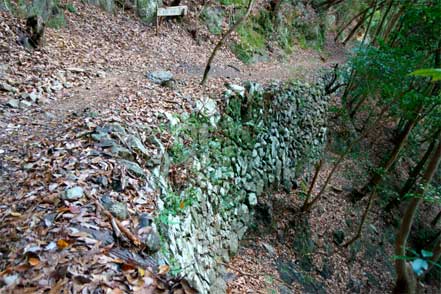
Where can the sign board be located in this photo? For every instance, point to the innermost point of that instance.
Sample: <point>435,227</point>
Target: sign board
<point>172,11</point>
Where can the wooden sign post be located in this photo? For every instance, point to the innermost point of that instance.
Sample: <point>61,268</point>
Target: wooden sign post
<point>169,11</point>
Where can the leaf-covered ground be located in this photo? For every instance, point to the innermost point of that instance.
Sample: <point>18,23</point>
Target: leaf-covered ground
<point>91,73</point>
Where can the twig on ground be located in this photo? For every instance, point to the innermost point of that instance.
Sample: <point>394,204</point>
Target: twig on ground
<point>120,226</point>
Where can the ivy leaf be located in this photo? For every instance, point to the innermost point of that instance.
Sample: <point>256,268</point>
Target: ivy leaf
<point>419,266</point>
<point>426,253</point>
<point>434,73</point>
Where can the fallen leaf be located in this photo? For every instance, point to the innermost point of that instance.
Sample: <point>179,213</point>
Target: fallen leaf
<point>16,214</point>
<point>127,267</point>
<point>62,244</point>
<point>71,208</point>
<point>63,209</point>
<point>74,209</point>
<point>163,269</point>
<point>34,261</point>
<point>182,204</point>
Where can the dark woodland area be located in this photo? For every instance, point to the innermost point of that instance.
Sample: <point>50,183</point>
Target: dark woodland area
<point>225,146</point>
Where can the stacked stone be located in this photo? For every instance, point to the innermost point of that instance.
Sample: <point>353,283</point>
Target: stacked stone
<point>260,143</point>
<point>288,127</point>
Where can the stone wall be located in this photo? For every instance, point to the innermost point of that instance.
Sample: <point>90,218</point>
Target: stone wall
<point>223,163</point>
<point>106,5</point>
<point>5,5</point>
<point>146,9</point>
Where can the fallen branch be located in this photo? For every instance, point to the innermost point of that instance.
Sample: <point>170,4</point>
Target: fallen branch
<point>120,226</point>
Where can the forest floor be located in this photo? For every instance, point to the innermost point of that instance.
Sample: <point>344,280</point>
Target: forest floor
<point>94,71</point>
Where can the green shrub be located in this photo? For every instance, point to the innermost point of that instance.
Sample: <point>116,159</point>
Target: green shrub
<point>234,2</point>
<point>71,8</point>
<point>213,18</point>
<point>285,40</point>
<point>6,5</point>
<point>57,22</point>
<point>251,43</point>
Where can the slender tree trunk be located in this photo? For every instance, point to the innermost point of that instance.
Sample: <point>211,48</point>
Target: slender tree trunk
<point>404,283</point>
<point>356,27</point>
<point>363,219</point>
<point>327,4</point>
<point>392,23</point>
<point>374,8</point>
<point>309,205</point>
<point>413,176</point>
<point>396,34</point>
<point>357,106</point>
<point>377,177</point>
<point>343,28</point>
<point>433,241</point>
<point>344,98</point>
<point>436,219</point>
<point>314,180</point>
<point>383,19</point>
<point>358,15</point>
<point>222,40</point>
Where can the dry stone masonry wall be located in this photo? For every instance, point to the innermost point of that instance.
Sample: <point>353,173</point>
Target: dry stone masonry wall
<point>222,158</point>
<point>221,164</point>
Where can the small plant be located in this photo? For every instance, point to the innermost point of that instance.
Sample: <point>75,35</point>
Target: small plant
<point>233,2</point>
<point>57,22</point>
<point>285,40</point>
<point>213,18</point>
<point>251,43</point>
<point>71,8</point>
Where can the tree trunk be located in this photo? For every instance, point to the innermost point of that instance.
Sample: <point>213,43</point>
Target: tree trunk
<point>383,19</point>
<point>363,219</point>
<point>314,180</point>
<point>404,283</point>
<point>377,177</point>
<point>392,23</point>
<point>344,98</point>
<point>436,219</point>
<point>309,205</point>
<point>360,14</point>
<point>222,40</point>
<point>356,27</point>
<point>357,106</point>
<point>416,171</point>
<point>343,28</point>
<point>413,176</point>
<point>327,4</point>
<point>374,8</point>
<point>436,255</point>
